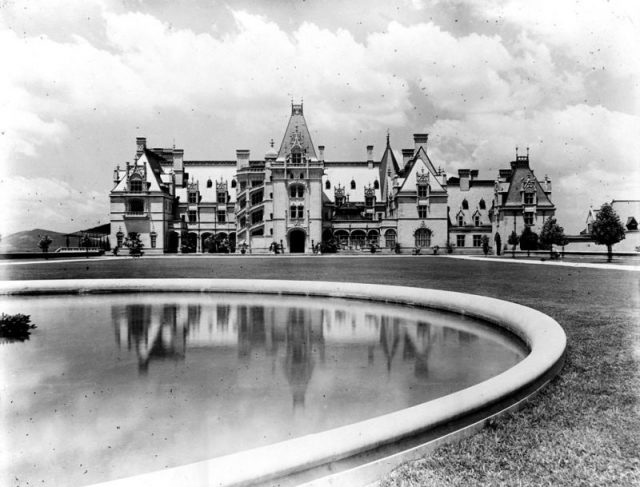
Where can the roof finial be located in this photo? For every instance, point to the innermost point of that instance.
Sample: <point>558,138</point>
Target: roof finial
<point>527,152</point>
<point>271,143</point>
<point>387,137</point>
<point>516,151</point>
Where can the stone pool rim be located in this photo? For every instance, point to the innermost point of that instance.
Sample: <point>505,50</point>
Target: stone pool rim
<point>543,336</point>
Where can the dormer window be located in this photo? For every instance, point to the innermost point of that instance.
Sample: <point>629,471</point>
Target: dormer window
<point>135,185</point>
<point>465,204</point>
<point>376,184</point>
<point>369,201</point>
<point>233,183</point>
<point>327,185</point>
<point>222,197</point>
<point>482,205</point>
<point>193,197</point>
<point>353,184</point>
<point>460,220</point>
<point>296,156</point>
<point>209,183</point>
<point>529,198</point>
<point>423,191</point>
<point>476,220</point>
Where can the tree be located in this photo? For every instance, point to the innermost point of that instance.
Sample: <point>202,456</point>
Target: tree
<point>513,240</point>
<point>485,244</point>
<point>134,244</point>
<point>607,229</point>
<point>44,243</point>
<point>528,240</point>
<point>552,234</point>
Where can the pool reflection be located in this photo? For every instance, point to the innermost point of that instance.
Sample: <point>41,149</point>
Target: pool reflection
<point>166,332</point>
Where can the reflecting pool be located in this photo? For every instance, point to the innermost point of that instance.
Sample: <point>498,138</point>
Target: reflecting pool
<point>116,385</point>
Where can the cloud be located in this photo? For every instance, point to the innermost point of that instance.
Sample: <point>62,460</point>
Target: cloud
<point>50,204</point>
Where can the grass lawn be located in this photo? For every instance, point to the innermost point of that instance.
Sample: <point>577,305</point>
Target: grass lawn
<point>583,429</point>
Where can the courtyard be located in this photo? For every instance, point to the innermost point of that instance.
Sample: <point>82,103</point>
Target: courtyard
<point>581,429</point>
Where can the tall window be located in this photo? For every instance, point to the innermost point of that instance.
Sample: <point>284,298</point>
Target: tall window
<point>529,198</point>
<point>460,220</point>
<point>222,216</point>
<point>296,191</point>
<point>243,222</point>
<point>528,218</point>
<point>256,217</point>
<point>423,237</point>
<point>193,197</point>
<point>460,240</point>
<point>476,220</point>
<point>256,198</point>
<point>135,186</point>
<point>477,240</point>
<point>136,206</point>
<point>422,191</point>
<point>390,239</point>
<point>193,216</point>
<point>154,238</point>
<point>422,211</point>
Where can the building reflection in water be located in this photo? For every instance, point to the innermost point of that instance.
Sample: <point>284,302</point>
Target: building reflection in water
<point>292,336</point>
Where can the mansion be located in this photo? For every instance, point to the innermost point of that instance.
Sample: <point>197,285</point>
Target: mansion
<point>294,200</point>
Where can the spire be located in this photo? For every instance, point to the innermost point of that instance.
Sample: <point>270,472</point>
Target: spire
<point>297,133</point>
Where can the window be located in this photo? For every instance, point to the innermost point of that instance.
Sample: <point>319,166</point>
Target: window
<point>353,184</point>
<point>376,184</point>
<point>390,239</point>
<point>256,198</point>
<point>243,185</point>
<point>233,183</point>
<point>193,216</point>
<point>465,204</point>
<point>193,197</point>
<point>209,183</point>
<point>222,216</point>
<point>528,218</point>
<point>243,222</point>
<point>136,206</point>
<point>422,191</point>
<point>242,203</point>
<point>297,211</point>
<point>296,158</point>
<point>256,217</point>
<point>529,198</point>
<point>290,175</point>
<point>119,237</point>
<point>327,185</point>
<point>476,220</point>
<point>460,221</point>
<point>222,197</point>
<point>369,201</point>
<point>482,205</point>
<point>154,238</point>
<point>423,237</point>
<point>477,240</point>
<point>422,211</point>
<point>296,191</point>
<point>255,183</point>
<point>135,186</point>
<point>460,240</point>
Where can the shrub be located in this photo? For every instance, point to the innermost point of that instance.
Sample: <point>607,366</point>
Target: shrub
<point>17,326</point>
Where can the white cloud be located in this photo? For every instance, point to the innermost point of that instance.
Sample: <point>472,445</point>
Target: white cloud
<point>50,204</point>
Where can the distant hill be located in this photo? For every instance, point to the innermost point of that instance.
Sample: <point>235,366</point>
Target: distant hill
<point>27,241</point>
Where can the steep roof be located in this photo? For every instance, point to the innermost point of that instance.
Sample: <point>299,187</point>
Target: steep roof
<point>522,174</point>
<point>297,133</point>
<point>387,162</point>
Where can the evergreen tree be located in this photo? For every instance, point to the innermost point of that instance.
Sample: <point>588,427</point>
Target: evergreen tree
<point>44,243</point>
<point>528,240</point>
<point>607,228</point>
<point>485,244</point>
<point>513,240</point>
<point>552,234</point>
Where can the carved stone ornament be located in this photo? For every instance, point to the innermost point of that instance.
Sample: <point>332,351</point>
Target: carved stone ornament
<point>369,191</point>
<point>140,170</point>
<point>528,185</point>
<point>221,185</point>
<point>339,191</point>
<point>422,177</point>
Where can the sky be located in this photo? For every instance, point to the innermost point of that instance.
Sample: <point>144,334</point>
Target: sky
<point>83,78</point>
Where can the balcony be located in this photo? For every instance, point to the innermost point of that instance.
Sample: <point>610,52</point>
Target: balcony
<point>136,214</point>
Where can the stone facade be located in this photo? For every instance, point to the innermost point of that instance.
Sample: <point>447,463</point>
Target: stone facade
<point>292,199</point>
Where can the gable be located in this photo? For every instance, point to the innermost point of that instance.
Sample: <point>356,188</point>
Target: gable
<point>418,168</point>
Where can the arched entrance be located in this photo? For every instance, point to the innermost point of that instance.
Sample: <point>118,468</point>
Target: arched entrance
<point>297,239</point>
<point>172,244</point>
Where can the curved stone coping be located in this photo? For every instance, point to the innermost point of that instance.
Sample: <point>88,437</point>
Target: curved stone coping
<point>543,335</point>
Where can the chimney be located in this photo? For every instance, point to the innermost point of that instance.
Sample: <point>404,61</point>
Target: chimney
<point>463,174</point>
<point>420,140</point>
<point>547,184</point>
<point>406,155</point>
<point>178,167</point>
<point>321,153</point>
<point>504,174</point>
<point>370,156</point>
<point>242,157</point>
<point>141,145</point>
<point>116,174</point>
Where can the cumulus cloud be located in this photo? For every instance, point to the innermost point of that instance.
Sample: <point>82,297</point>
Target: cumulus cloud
<point>530,74</point>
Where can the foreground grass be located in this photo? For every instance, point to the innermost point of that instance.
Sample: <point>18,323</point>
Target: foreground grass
<point>582,429</point>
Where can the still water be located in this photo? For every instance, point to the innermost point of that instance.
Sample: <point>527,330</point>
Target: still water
<point>112,386</point>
